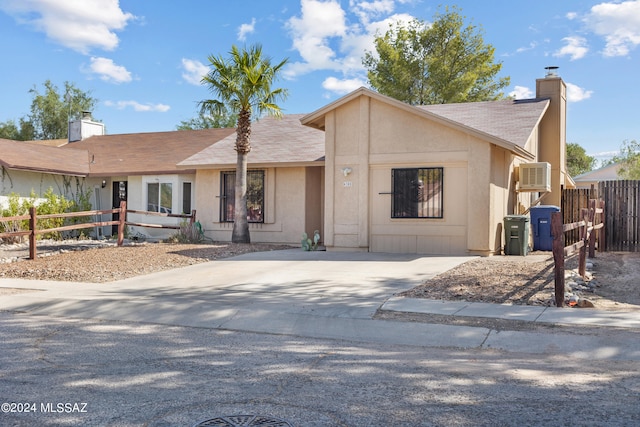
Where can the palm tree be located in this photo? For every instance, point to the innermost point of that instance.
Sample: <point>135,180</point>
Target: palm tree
<point>242,84</point>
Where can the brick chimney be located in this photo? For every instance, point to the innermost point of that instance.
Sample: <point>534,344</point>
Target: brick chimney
<point>553,132</point>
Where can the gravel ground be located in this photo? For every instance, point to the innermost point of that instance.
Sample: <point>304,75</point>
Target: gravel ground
<point>105,262</point>
<point>530,281</point>
<point>499,279</point>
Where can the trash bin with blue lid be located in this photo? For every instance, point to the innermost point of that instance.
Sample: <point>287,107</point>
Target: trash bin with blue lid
<point>541,226</point>
<point>516,235</point>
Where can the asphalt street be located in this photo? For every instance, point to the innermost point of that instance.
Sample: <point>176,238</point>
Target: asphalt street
<point>290,339</point>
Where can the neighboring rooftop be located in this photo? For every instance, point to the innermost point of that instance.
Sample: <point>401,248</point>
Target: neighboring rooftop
<point>30,156</point>
<point>145,153</point>
<point>303,145</point>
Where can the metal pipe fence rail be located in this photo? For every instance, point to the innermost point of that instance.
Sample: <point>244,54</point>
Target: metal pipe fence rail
<point>33,231</point>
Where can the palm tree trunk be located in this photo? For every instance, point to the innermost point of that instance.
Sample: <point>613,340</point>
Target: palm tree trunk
<point>240,232</point>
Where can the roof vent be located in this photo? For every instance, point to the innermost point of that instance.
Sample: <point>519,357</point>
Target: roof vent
<point>552,71</point>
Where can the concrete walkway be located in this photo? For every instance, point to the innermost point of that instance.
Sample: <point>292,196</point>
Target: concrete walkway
<point>321,295</point>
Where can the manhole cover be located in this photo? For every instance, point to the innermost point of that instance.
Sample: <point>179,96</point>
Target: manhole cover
<point>244,421</point>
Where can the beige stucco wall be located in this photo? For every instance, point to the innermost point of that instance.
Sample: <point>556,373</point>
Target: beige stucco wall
<point>295,207</point>
<point>371,138</point>
<point>24,182</point>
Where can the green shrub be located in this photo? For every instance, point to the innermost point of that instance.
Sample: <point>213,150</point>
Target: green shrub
<point>188,233</point>
<point>49,203</point>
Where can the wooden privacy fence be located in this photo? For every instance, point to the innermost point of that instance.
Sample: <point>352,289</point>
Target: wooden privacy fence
<point>34,231</point>
<point>622,199</point>
<point>573,201</point>
<point>590,225</point>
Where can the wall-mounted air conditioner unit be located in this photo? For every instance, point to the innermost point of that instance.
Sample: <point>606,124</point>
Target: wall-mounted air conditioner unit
<point>535,177</point>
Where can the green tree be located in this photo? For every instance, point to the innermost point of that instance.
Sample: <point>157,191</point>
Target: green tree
<point>440,63</point>
<point>18,132</point>
<point>209,121</point>
<point>578,162</point>
<point>629,159</point>
<point>52,110</point>
<point>242,84</point>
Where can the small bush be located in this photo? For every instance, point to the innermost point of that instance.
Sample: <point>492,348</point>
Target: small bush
<point>188,233</point>
<point>49,203</point>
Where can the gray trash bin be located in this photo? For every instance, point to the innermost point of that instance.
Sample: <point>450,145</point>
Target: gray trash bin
<point>516,235</point>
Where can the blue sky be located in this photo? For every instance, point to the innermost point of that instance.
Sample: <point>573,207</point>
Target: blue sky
<point>143,59</point>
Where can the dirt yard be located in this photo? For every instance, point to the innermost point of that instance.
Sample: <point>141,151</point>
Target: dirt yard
<point>501,279</point>
<point>615,281</point>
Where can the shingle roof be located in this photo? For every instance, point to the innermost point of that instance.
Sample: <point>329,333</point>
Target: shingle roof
<point>507,123</point>
<point>145,153</point>
<point>302,145</point>
<point>509,120</point>
<point>43,158</point>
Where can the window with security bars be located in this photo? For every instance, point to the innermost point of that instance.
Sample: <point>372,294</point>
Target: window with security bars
<point>417,193</point>
<point>255,196</point>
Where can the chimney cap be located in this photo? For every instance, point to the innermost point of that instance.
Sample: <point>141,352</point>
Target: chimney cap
<point>86,115</point>
<point>552,71</point>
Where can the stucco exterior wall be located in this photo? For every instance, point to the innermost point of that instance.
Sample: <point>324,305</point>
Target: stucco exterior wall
<point>295,207</point>
<point>366,139</point>
<point>553,132</point>
<point>24,182</point>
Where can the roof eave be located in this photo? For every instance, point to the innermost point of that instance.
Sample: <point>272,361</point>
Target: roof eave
<point>274,164</point>
<point>43,170</point>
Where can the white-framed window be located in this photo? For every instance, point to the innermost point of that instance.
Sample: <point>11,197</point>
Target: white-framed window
<point>159,197</point>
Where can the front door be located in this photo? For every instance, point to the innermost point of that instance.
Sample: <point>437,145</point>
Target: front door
<point>119,194</point>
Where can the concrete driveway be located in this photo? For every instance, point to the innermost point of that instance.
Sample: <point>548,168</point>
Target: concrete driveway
<point>275,291</point>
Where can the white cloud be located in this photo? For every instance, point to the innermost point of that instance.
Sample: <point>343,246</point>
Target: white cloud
<point>531,46</point>
<point>109,71</point>
<point>325,39</point>
<point>343,86</point>
<point>312,31</point>
<point>618,23</point>
<point>521,92</point>
<point>575,48</point>
<point>576,93</point>
<point>245,29</point>
<point>77,24</point>
<point>194,70</point>
<point>367,10</point>
<point>121,105</point>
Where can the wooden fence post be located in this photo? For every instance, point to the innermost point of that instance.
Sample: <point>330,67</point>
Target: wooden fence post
<point>584,238</point>
<point>602,233</point>
<point>592,220</point>
<point>122,217</point>
<point>192,220</point>
<point>32,234</point>
<point>558,256</point>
